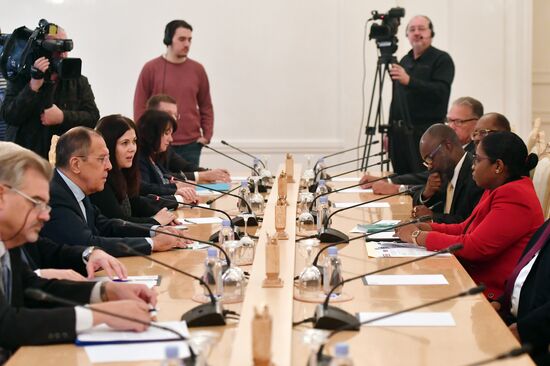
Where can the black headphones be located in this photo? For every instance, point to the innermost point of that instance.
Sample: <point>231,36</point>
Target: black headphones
<point>171,28</point>
<point>430,26</point>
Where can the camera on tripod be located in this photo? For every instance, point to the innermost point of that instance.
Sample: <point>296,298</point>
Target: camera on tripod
<point>20,49</point>
<point>384,33</point>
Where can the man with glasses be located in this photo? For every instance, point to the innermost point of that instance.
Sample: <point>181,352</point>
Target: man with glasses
<point>421,93</point>
<point>174,161</point>
<point>489,123</point>
<point>450,192</point>
<point>82,166</point>
<point>24,193</point>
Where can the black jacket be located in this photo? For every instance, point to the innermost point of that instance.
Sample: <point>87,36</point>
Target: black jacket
<point>67,224</point>
<point>465,198</point>
<point>26,322</point>
<point>22,108</point>
<point>45,253</point>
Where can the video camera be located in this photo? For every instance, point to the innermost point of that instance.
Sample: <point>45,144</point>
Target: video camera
<point>384,33</point>
<point>19,51</point>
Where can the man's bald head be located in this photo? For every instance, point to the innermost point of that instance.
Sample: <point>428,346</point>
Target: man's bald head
<point>488,123</point>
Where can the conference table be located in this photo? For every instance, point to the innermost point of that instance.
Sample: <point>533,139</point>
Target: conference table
<point>477,335</point>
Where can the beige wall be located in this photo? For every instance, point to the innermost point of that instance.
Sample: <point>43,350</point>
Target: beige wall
<point>541,63</point>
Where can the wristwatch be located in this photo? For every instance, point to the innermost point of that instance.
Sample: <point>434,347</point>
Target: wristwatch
<point>87,253</point>
<point>414,235</point>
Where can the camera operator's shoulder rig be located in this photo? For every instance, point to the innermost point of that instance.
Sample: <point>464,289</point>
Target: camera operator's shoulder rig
<point>20,49</point>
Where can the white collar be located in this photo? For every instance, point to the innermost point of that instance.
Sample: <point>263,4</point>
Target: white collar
<point>457,170</point>
<point>77,192</point>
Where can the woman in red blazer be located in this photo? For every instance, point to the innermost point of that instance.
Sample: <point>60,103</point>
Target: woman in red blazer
<point>503,221</point>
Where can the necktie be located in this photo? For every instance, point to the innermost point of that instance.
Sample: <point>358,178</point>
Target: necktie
<point>449,198</point>
<point>511,281</point>
<point>6,277</point>
<point>89,213</point>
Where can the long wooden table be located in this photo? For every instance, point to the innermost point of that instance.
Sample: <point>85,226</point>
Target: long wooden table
<point>479,333</point>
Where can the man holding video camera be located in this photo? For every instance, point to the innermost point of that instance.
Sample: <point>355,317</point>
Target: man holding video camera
<point>422,86</point>
<point>47,102</point>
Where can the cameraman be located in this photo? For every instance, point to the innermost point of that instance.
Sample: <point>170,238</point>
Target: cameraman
<point>422,86</point>
<point>46,105</point>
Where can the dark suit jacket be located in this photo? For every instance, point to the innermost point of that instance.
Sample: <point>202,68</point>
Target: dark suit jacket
<point>534,303</point>
<point>24,322</point>
<point>45,253</point>
<point>465,198</point>
<point>422,177</point>
<point>151,183</point>
<point>68,225</point>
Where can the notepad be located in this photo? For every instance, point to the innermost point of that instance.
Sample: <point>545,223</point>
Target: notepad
<point>153,351</point>
<point>366,205</point>
<point>397,250</point>
<point>404,280</point>
<point>410,319</point>
<point>356,190</point>
<point>202,220</point>
<point>149,281</point>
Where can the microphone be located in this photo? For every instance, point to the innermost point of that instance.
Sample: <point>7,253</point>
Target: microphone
<point>205,315</point>
<point>393,227</point>
<point>239,221</point>
<point>235,160</point>
<point>213,237</point>
<point>330,317</point>
<point>145,227</point>
<point>336,153</point>
<point>472,291</point>
<point>330,235</point>
<point>43,296</point>
<point>241,151</point>
<point>514,352</point>
<point>342,163</point>
<point>209,202</point>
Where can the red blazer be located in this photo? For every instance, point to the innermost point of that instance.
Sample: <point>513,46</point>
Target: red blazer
<point>494,235</point>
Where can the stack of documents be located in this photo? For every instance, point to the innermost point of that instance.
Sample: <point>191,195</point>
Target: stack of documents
<point>397,250</point>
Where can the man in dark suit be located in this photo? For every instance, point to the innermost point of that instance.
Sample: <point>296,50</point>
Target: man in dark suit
<point>82,165</point>
<point>525,305</point>
<point>462,118</point>
<point>24,196</point>
<point>450,185</point>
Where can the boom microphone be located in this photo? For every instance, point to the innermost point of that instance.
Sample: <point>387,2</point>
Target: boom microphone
<point>242,151</point>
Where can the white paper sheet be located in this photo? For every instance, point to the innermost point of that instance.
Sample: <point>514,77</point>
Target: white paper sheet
<point>356,190</point>
<point>105,334</point>
<point>203,220</point>
<point>149,281</point>
<point>394,280</point>
<point>412,319</point>
<point>366,205</point>
<point>346,179</point>
<point>397,250</point>
<point>207,192</point>
<point>152,351</point>
<point>197,246</point>
<point>236,178</point>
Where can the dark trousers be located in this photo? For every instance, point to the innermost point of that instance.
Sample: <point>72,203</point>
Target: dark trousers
<point>190,152</point>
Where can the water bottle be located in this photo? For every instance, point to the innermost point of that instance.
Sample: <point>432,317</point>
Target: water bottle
<point>213,273</point>
<point>244,192</point>
<point>321,189</point>
<point>323,212</point>
<point>172,357</point>
<point>341,355</point>
<point>257,165</point>
<point>226,232</point>
<point>320,168</point>
<point>332,272</point>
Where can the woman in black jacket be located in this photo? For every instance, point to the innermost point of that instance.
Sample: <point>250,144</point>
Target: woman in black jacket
<point>120,198</point>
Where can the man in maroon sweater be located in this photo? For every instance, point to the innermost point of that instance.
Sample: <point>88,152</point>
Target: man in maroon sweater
<point>186,81</point>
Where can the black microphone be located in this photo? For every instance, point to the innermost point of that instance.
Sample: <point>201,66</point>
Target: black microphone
<point>205,315</point>
<point>239,221</point>
<point>342,163</point>
<point>472,291</point>
<point>366,235</point>
<point>209,202</point>
<point>336,153</point>
<point>330,317</point>
<point>235,160</point>
<point>330,235</point>
<point>515,352</point>
<point>148,228</point>
<point>43,296</point>
<point>244,152</point>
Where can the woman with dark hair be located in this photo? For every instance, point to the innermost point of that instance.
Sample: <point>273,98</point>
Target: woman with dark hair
<point>155,130</point>
<point>507,215</point>
<point>120,198</point>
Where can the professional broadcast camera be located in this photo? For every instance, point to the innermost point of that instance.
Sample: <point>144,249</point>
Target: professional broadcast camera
<point>19,51</point>
<point>384,33</point>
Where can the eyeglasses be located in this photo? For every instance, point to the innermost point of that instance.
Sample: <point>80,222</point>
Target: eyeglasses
<point>39,205</point>
<point>103,159</point>
<point>459,122</point>
<point>481,133</point>
<point>429,159</point>
<point>477,159</point>
<point>420,29</point>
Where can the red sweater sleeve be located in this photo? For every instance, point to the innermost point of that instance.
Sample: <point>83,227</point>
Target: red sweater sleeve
<point>506,221</point>
<point>205,107</point>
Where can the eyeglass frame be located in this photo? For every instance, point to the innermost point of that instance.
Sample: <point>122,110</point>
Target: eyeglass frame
<point>476,159</point>
<point>486,130</point>
<point>101,159</point>
<point>431,155</point>
<point>459,122</point>
<point>38,204</point>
